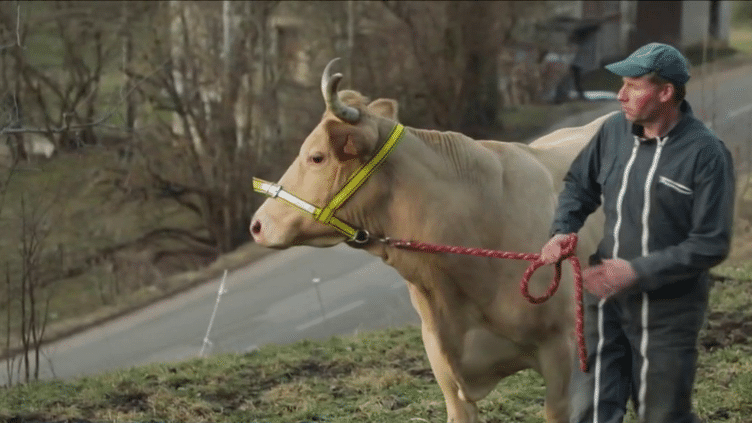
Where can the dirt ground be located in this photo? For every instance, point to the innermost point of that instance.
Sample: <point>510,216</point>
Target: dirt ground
<point>727,328</point>
<point>734,327</point>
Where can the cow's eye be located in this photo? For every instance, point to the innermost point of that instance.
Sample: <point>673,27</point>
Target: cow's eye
<point>316,158</point>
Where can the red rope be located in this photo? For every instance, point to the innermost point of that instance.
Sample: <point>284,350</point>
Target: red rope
<point>568,247</point>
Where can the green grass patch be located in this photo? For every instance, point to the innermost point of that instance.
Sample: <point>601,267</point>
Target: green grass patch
<point>740,38</point>
<point>742,271</point>
<point>377,377</point>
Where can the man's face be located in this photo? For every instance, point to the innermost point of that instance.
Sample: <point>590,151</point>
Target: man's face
<point>640,99</point>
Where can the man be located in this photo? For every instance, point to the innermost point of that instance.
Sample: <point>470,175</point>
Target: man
<point>667,188</point>
<point>585,59</point>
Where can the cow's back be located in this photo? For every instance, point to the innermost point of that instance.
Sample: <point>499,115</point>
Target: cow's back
<point>553,154</point>
<point>558,149</point>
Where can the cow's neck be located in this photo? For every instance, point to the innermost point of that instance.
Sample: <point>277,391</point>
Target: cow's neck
<point>446,188</point>
<point>430,168</point>
<point>452,158</point>
<point>434,179</point>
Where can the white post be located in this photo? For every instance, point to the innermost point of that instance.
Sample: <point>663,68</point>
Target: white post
<point>221,291</point>
<point>315,281</point>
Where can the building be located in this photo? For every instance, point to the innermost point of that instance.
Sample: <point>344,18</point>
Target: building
<point>627,25</point>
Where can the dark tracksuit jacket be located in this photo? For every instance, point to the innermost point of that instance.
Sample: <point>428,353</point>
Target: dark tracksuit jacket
<point>669,207</point>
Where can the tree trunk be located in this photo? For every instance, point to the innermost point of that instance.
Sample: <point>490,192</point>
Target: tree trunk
<point>130,103</point>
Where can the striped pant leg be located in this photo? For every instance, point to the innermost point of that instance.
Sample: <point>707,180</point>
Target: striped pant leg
<point>664,334</point>
<point>600,396</point>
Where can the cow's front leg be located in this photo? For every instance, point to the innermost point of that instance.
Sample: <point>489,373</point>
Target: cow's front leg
<point>459,409</point>
<point>553,359</point>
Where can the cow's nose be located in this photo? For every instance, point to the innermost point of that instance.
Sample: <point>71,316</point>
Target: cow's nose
<point>256,228</point>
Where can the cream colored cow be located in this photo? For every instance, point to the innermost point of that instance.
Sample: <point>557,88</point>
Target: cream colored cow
<point>445,188</point>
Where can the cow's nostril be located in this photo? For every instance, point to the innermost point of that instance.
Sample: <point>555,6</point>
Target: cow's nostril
<point>256,228</point>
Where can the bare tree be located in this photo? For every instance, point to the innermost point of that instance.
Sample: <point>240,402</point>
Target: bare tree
<point>29,294</point>
<point>34,316</point>
<point>455,46</point>
<point>127,17</point>
<point>216,79</point>
<point>40,95</point>
<point>62,95</point>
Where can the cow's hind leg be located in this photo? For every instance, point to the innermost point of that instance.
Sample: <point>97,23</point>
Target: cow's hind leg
<point>459,409</point>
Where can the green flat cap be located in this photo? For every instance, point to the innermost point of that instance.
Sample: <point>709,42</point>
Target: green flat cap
<point>666,60</point>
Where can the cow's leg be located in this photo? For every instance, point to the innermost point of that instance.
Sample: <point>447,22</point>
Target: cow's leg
<point>459,409</point>
<point>554,358</point>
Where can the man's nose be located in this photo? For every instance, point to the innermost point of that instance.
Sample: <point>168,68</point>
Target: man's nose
<point>621,95</point>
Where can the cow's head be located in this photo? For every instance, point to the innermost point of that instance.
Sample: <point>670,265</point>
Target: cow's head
<point>349,134</point>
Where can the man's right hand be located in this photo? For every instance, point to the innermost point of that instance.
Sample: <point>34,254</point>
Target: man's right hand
<point>551,252</point>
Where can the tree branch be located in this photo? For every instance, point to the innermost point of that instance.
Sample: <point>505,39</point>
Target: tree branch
<point>17,43</point>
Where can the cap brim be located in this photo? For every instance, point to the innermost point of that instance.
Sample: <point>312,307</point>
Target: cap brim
<point>626,68</point>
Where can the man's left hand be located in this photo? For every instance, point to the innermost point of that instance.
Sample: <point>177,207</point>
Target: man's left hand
<point>609,278</point>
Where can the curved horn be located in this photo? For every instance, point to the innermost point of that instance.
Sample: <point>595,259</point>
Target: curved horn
<point>329,90</point>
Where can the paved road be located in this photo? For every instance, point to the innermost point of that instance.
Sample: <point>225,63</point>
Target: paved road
<point>724,101</point>
<point>274,300</point>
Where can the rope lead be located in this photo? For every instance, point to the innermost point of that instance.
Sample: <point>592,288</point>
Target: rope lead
<point>569,246</point>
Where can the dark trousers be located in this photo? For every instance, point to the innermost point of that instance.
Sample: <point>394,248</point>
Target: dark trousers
<point>640,348</point>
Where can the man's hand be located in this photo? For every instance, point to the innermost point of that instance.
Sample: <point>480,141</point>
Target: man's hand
<point>552,251</point>
<point>609,278</point>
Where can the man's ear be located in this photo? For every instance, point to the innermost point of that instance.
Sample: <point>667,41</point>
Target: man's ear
<point>384,107</point>
<point>347,141</point>
<point>666,94</point>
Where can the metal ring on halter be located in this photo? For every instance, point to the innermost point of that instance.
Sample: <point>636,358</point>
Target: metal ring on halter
<point>274,190</point>
<point>361,236</point>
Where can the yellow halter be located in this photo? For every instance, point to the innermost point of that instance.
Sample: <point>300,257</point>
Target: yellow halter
<point>326,215</point>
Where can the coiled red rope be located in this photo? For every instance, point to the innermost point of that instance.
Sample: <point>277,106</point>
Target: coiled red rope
<point>568,247</point>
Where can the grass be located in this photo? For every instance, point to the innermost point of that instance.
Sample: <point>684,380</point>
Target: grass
<point>741,271</point>
<point>740,37</point>
<point>380,376</point>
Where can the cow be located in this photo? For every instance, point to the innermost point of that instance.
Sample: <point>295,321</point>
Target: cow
<point>442,188</point>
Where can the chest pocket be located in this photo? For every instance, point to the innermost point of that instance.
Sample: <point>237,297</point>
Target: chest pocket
<point>671,201</point>
<point>675,186</point>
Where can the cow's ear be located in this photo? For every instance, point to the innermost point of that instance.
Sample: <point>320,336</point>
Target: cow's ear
<point>347,141</point>
<point>384,107</point>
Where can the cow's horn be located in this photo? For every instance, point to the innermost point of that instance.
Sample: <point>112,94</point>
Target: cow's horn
<point>329,90</point>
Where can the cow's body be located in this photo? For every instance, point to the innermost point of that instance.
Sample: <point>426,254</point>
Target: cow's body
<point>445,188</point>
